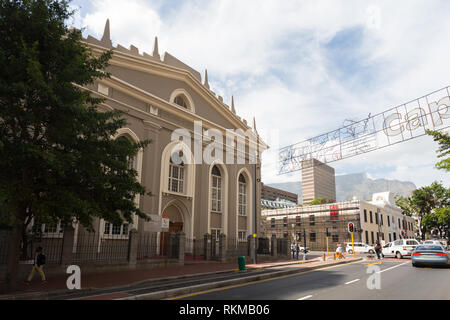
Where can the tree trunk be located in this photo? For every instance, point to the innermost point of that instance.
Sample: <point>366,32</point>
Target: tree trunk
<point>13,257</point>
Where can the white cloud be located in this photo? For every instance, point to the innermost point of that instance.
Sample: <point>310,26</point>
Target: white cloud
<point>272,57</point>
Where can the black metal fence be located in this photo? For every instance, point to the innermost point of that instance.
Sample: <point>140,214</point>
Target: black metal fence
<point>91,247</point>
<point>237,247</point>
<point>194,249</point>
<point>5,237</point>
<point>147,247</point>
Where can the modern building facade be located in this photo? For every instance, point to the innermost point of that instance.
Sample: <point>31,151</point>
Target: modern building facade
<point>374,220</point>
<point>318,180</point>
<point>275,194</point>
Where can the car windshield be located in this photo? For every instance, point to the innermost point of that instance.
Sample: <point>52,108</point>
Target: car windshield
<point>429,248</point>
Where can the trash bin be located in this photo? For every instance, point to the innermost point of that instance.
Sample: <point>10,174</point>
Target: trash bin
<point>241,263</point>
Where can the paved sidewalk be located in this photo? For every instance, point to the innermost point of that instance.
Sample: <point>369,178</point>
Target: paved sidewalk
<point>57,284</point>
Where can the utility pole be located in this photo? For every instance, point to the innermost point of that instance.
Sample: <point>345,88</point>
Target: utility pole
<point>304,240</point>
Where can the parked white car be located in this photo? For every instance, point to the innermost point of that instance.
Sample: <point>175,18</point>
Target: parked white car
<point>400,248</point>
<point>431,242</point>
<point>359,248</point>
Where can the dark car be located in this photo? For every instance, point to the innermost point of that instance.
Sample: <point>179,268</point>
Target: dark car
<point>429,255</point>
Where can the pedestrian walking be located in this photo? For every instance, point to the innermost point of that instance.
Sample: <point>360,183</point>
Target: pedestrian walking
<point>38,266</point>
<point>293,250</point>
<point>378,250</point>
<point>297,249</point>
<point>340,251</point>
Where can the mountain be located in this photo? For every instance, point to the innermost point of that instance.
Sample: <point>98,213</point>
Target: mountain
<point>357,184</point>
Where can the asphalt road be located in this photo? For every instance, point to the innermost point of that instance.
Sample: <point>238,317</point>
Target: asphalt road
<point>390,279</point>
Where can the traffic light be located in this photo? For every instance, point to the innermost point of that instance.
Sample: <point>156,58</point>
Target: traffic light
<point>350,227</point>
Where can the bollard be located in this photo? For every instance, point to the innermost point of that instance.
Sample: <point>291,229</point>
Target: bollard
<point>323,257</point>
<point>334,256</point>
<point>241,263</point>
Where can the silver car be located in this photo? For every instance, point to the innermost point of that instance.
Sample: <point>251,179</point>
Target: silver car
<point>424,255</point>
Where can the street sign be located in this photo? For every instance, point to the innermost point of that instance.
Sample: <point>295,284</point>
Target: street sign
<point>165,224</point>
<point>157,224</point>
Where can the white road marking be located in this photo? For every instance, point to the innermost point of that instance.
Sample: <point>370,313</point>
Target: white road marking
<point>304,298</point>
<point>401,264</point>
<point>352,281</point>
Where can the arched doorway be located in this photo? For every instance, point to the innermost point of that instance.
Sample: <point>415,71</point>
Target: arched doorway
<point>176,224</point>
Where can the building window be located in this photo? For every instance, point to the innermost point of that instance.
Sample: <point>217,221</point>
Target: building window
<point>242,205</point>
<point>312,237</point>
<point>371,218</point>
<point>119,230</point>
<point>298,221</point>
<point>285,221</point>
<point>215,233</point>
<point>335,238</point>
<point>48,229</point>
<point>381,219</point>
<point>376,218</point>
<point>373,239</point>
<point>389,222</point>
<point>242,236</point>
<point>390,238</point>
<point>312,220</point>
<point>272,223</point>
<point>365,215</point>
<point>181,101</point>
<point>367,237</point>
<point>52,228</point>
<point>216,190</point>
<point>176,177</point>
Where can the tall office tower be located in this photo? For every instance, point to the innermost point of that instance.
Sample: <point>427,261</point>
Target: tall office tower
<point>317,181</point>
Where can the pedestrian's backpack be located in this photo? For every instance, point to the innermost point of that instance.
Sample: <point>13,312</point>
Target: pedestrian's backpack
<point>42,259</point>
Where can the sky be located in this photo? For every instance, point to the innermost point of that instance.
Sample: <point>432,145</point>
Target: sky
<point>300,67</point>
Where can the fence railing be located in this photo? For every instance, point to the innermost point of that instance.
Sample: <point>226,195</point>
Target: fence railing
<point>91,247</point>
<point>147,246</point>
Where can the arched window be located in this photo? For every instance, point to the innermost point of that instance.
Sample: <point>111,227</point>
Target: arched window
<point>181,101</point>
<point>132,163</point>
<point>182,98</point>
<point>242,192</point>
<point>176,176</point>
<point>122,230</point>
<point>216,190</point>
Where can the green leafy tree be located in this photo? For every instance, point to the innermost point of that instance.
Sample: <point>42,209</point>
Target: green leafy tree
<point>58,158</point>
<point>318,200</point>
<point>443,139</point>
<point>438,219</point>
<point>423,202</point>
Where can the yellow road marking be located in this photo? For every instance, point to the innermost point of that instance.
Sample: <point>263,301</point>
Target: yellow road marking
<point>256,282</point>
<point>371,264</point>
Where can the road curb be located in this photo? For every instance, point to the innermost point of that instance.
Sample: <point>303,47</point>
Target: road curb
<point>220,284</point>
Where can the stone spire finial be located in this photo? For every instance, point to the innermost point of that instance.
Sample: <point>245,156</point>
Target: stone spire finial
<point>156,50</point>
<point>107,34</point>
<point>232,105</point>
<point>254,125</point>
<point>206,84</point>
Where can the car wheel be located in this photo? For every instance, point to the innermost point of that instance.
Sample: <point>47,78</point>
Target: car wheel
<point>414,265</point>
<point>350,251</point>
<point>371,251</point>
<point>398,255</point>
